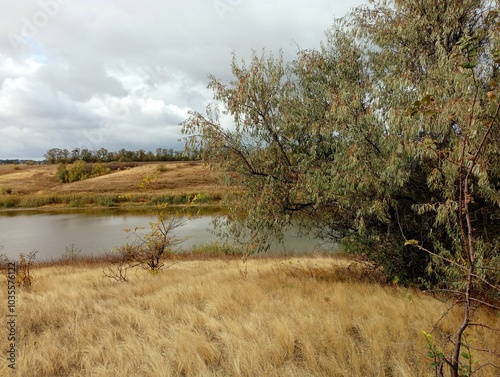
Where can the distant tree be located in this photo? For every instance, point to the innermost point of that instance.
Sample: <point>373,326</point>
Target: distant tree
<point>65,156</point>
<point>53,156</point>
<point>75,155</point>
<point>56,155</point>
<point>86,155</point>
<point>102,155</point>
<point>140,155</point>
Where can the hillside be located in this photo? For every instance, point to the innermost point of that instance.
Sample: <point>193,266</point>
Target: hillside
<point>37,186</point>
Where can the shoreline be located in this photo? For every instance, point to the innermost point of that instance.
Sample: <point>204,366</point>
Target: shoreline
<point>141,207</point>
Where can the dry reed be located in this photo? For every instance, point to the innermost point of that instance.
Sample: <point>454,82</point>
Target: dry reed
<point>268,317</point>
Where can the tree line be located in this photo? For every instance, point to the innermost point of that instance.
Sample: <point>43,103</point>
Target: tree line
<point>57,155</point>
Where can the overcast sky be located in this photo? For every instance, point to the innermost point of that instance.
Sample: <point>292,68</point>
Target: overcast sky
<point>124,74</point>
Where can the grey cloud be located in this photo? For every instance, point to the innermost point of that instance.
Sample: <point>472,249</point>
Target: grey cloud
<point>122,74</point>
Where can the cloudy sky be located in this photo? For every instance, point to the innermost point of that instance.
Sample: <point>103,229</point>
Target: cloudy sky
<point>124,74</point>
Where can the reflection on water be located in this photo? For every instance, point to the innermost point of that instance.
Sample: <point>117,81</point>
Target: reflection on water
<point>97,231</point>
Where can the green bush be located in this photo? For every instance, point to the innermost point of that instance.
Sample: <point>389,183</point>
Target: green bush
<point>99,169</point>
<point>164,199</point>
<point>39,201</point>
<point>107,200</point>
<point>161,168</point>
<point>78,172</point>
<point>179,199</point>
<point>62,173</point>
<point>10,203</point>
<point>202,198</point>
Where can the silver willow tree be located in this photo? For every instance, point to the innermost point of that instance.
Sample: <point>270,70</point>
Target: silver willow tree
<point>387,139</point>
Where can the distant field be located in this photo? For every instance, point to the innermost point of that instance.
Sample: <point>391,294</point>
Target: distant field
<point>311,316</point>
<point>37,186</point>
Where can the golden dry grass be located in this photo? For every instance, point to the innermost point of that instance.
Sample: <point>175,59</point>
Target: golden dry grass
<point>188,177</point>
<point>268,317</point>
<point>185,177</point>
<point>35,186</point>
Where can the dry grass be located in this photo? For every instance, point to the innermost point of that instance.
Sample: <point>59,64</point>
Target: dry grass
<point>270,317</point>
<point>37,184</point>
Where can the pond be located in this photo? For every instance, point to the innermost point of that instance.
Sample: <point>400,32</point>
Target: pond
<point>98,231</point>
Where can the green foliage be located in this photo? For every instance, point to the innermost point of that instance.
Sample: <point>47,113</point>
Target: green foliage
<point>386,139</point>
<point>161,168</point>
<point>107,200</point>
<point>33,201</point>
<point>365,145</point>
<point>99,169</point>
<point>201,199</point>
<point>175,199</point>
<point>78,171</point>
<point>75,202</point>
<point>9,203</point>
<point>56,155</point>
<point>435,355</point>
<point>62,174</point>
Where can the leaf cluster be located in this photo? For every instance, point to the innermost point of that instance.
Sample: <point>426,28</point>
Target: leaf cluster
<point>368,140</point>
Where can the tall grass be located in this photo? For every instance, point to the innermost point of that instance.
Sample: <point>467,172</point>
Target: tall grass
<point>33,200</point>
<point>269,317</point>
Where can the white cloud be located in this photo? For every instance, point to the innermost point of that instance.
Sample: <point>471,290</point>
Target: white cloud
<point>123,74</point>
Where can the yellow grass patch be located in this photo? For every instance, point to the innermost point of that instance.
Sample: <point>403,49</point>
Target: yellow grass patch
<point>268,317</point>
<point>36,186</point>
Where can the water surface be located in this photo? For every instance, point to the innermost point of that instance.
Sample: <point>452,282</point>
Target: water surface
<point>98,231</point>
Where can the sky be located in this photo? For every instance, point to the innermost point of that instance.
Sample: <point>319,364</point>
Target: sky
<point>123,74</point>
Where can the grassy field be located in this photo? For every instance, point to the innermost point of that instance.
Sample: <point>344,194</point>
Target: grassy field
<point>27,186</point>
<point>310,316</point>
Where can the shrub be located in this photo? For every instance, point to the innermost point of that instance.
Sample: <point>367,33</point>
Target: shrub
<point>75,202</point>
<point>24,277</point>
<point>180,199</point>
<point>201,198</point>
<point>78,172</point>
<point>99,169</point>
<point>72,252</point>
<point>107,200</point>
<point>62,173</point>
<point>161,168</point>
<point>10,203</point>
<point>150,250</point>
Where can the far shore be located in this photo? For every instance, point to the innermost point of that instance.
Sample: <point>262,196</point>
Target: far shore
<point>28,187</point>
